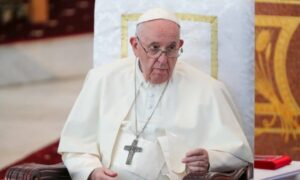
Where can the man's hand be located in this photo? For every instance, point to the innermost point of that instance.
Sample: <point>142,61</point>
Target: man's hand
<point>197,161</point>
<point>103,174</point>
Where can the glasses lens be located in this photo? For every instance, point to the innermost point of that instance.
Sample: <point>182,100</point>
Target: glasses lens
<point>170,54</point>
<point>173,53</point>
<point>154,52</point>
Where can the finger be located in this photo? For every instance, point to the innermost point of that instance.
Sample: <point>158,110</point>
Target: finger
<point>198,170</point>
<point>99,174</point>
<point>198,163</point>
<point>195,152</point>
<point>109,172</point>
<point>104,176</point>
<point>194,158</point>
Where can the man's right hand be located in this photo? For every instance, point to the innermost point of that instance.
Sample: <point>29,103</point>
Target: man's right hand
<point>103,173</point>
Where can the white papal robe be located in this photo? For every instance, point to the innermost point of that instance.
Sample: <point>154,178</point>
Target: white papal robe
<point>196,111</point>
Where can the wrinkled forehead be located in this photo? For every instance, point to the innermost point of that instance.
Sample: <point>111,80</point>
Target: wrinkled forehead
<point>159,28</point>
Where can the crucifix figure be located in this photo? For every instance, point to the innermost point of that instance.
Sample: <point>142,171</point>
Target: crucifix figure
<point>132,149</point>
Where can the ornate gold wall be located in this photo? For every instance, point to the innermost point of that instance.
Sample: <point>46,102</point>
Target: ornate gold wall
<point>277,88</point>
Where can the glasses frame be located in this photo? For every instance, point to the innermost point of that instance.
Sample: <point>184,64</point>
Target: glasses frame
<point>161,51</point>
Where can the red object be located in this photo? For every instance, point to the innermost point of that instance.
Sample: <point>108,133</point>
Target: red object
<point>45,155</point>
<point>271,161</point>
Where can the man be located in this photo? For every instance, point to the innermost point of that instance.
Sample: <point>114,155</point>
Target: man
<point>152,118</point>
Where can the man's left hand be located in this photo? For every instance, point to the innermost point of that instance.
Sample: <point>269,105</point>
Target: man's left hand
<point>197,161</point>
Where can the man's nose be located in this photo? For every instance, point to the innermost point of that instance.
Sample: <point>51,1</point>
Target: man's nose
<point>163,58</point>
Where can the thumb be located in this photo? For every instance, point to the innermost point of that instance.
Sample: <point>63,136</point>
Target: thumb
<point>110,172</point>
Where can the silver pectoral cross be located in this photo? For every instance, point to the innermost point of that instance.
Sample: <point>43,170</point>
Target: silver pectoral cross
<point>132,149</point>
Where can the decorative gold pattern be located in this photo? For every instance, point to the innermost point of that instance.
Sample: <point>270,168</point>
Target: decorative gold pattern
<point>124,32</point>
<point>280,106</point>
<point>212,20</point>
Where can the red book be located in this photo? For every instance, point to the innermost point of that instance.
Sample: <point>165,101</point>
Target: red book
<point>271,161</point>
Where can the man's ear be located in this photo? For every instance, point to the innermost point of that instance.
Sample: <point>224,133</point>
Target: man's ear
<point>181,42</point>
<point>134,45</point>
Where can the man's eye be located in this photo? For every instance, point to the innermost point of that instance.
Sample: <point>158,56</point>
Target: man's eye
<point>154,48</point>
<point>171,48</point>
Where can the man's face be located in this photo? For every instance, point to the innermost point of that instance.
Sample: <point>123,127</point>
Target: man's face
<point>154,35</point>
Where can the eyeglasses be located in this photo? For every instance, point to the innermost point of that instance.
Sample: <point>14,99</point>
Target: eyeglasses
<point>155,52</point>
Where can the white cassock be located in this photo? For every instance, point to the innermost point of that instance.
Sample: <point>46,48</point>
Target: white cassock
<point>196,111</point>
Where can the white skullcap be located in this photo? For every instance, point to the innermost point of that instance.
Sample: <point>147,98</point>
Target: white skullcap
<point>158,13</point>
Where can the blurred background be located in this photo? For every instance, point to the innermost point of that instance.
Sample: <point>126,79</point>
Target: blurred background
<point>46,48</point>
<point>277,81</point>
<point>45,51</point>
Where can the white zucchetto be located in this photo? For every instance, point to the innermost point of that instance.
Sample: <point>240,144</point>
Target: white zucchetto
<point>158,13</point>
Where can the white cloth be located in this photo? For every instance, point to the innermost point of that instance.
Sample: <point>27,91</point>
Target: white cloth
<point>80,165</point>
<point>147,94</point>
<point>196,109</point>
<point>147,97</point>
<point>158,13</point>
<point>213,41</point>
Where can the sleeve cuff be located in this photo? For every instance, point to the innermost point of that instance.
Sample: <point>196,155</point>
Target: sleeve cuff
<point>220,161</point>
<point>79,165</point>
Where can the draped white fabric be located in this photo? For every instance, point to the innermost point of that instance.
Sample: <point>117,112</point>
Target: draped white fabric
<point>218,35</point>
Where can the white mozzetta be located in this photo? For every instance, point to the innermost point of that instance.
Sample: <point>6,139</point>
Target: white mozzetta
<point>218,34</point>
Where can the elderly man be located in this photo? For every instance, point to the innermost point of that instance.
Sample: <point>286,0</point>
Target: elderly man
<point>153,117</point>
